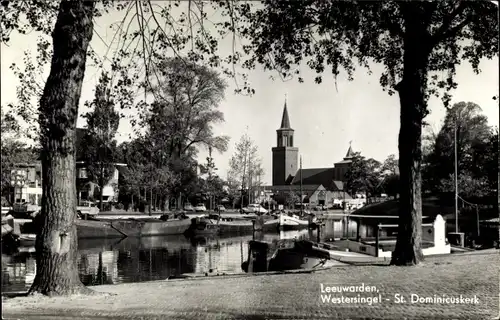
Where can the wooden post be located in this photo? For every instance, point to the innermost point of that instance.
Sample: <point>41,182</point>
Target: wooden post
<point>333,230</point>
<point>318,237</point>
<point>347,225</point>
<point>477,217</point>
<point>358,224</point>
<point>377,231</point>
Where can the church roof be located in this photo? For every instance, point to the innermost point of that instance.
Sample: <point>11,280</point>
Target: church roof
<point>317,176</point>
<point>344,161</point>
<point>285,120</point>
<point>307,190</point>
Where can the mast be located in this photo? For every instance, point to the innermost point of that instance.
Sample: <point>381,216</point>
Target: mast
<point>301,209</point>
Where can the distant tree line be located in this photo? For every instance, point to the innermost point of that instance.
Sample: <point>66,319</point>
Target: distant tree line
<point>162,167</point>
<point>477,160</point>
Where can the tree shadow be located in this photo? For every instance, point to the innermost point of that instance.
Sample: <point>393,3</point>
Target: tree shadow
<point>14,294</point>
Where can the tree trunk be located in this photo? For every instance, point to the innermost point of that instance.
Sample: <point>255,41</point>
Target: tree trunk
<point>101,189</point>
<point>411,90</point>
<point>56,241</point>
<point>150,200</point>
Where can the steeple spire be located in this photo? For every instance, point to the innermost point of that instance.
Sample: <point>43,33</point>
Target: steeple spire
<point>350,153</point>
<point>285,120</point>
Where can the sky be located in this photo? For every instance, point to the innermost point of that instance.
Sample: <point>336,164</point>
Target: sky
<point>325,117</point>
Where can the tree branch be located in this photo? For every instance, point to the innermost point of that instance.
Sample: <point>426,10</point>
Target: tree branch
<point>444,30</point>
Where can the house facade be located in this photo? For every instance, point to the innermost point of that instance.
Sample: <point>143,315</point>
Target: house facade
<point>26,180</point>
<point>88,191</point>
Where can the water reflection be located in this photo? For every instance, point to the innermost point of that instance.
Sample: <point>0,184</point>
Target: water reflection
<point>113,261</point>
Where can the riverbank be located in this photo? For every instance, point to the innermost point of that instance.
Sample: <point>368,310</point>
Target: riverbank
<point>290,295</point>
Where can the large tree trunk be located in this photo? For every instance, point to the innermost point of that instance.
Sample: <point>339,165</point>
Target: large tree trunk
<point>411,90</point>
<point>56,241</point>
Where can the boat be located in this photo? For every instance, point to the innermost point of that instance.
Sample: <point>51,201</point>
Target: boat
<point>6,229</point>
<point>120,228</point>
<point>302,255</point>
<point>132,244</point>
<point>294,222</point>
<point>27,240</point>
<point>88,229</point>
<point>217,224</point>
<point>204,225</point>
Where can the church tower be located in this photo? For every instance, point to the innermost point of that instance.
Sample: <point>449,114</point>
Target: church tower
<point>285,155</point>
<point>343,166</point>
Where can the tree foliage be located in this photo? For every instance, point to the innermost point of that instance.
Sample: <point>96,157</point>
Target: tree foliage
<point>98,145</point>
<point>416,42</point>
<point>213,185</point>
<point>363,175</point>
<point>390,166</point>
<point>13,151</point>
<point>245,166</point>
<point>476,154</point>
<point>340,36</point>
<point>185,107</point>
<point>291,198</point>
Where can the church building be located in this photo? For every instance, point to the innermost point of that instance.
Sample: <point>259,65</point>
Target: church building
<point>320,186</point>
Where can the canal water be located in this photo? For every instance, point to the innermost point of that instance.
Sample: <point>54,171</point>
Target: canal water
<point>114,261</point>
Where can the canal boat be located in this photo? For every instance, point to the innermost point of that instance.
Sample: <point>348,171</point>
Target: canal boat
<point>217,224</point>
<point>294,222</point>
<point>302,255</point>
<point>94,228</point>
<point>248,226</point>
<point>27,239</point>
<point>204,225</point>
<point>132,244</point>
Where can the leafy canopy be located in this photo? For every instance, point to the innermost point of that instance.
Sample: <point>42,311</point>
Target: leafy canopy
<point>342,34</point>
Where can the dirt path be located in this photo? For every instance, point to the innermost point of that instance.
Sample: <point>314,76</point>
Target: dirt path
<point>296,296</point>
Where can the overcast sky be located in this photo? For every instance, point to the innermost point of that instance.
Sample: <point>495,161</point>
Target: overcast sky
<point>325,118</point>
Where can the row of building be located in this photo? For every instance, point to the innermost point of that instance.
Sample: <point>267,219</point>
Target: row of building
<point>26,179</point>
<point>318,186</point>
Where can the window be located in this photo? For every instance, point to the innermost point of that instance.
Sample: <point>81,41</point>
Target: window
<point>82,173</point>
<point>291,141</point>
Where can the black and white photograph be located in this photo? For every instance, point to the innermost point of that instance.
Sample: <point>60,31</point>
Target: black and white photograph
<point>251,160</point>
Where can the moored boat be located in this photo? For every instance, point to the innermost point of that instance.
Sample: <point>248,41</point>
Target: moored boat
<point>303,255</point>
<point>88,229</point>
<point>203,226</point>
<point>248,225</point>
<point>163,228</point>
<point>130,228</point>
<point>294,222</point>
<point>217,224</point>
<point>27,240</point>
